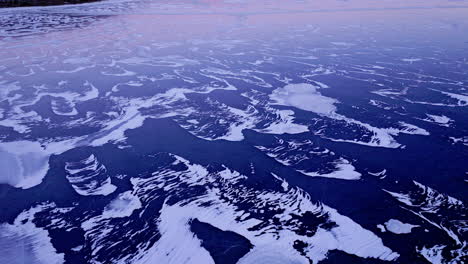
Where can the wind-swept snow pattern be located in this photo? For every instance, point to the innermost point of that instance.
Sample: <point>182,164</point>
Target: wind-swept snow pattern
<point>441,120</point>
<point>23,242</point>
<point>168,199</point>
<point>442,212</point>
<point>310,160</point>
<point>89,177</point>
<point>308,98</point>
<point>234,132</point>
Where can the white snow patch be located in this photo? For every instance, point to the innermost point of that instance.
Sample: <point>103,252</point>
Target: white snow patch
<point>304,96</point>
<point>284,183</point>
<point>284,124</point>
<point>408,129</point>
<point>441,120</point>
<point>397,227</point>
<point>122,206</point>
<point>345,171</point>
<point>381,174</point>
<point>267,254</point>
<point>381,228</point>
<point>462,99</point>
<point>230,175</point>
<point>344,44</point>
<point>426,203</point>
<point>218,206</point>
<point>24,163</point>
<point>411,60</point>
<point>463,140</point>
<point>22,242</point>
<point>177,244</point>
<point>434,254</point>
<point>246,120</point>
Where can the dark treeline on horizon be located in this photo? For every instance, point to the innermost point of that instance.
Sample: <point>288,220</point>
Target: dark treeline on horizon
<point>18,3</point>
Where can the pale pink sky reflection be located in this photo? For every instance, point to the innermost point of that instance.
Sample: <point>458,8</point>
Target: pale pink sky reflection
<point>186,20</point>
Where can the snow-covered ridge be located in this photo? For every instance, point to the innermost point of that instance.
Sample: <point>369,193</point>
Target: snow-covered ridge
<point>344,170</point>
<point>89,177</point>
<point>230,122</point>
<point>223,198</point>
<point>442,212</point>
<point>307,97</point>
<point>438,119</point>
<point>229,204</point>
<point>311,160</point>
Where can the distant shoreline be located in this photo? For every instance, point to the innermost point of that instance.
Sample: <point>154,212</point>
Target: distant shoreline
<point>25,3</point>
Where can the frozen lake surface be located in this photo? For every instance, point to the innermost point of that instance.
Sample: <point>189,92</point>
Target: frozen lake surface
<point>218,131</point>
